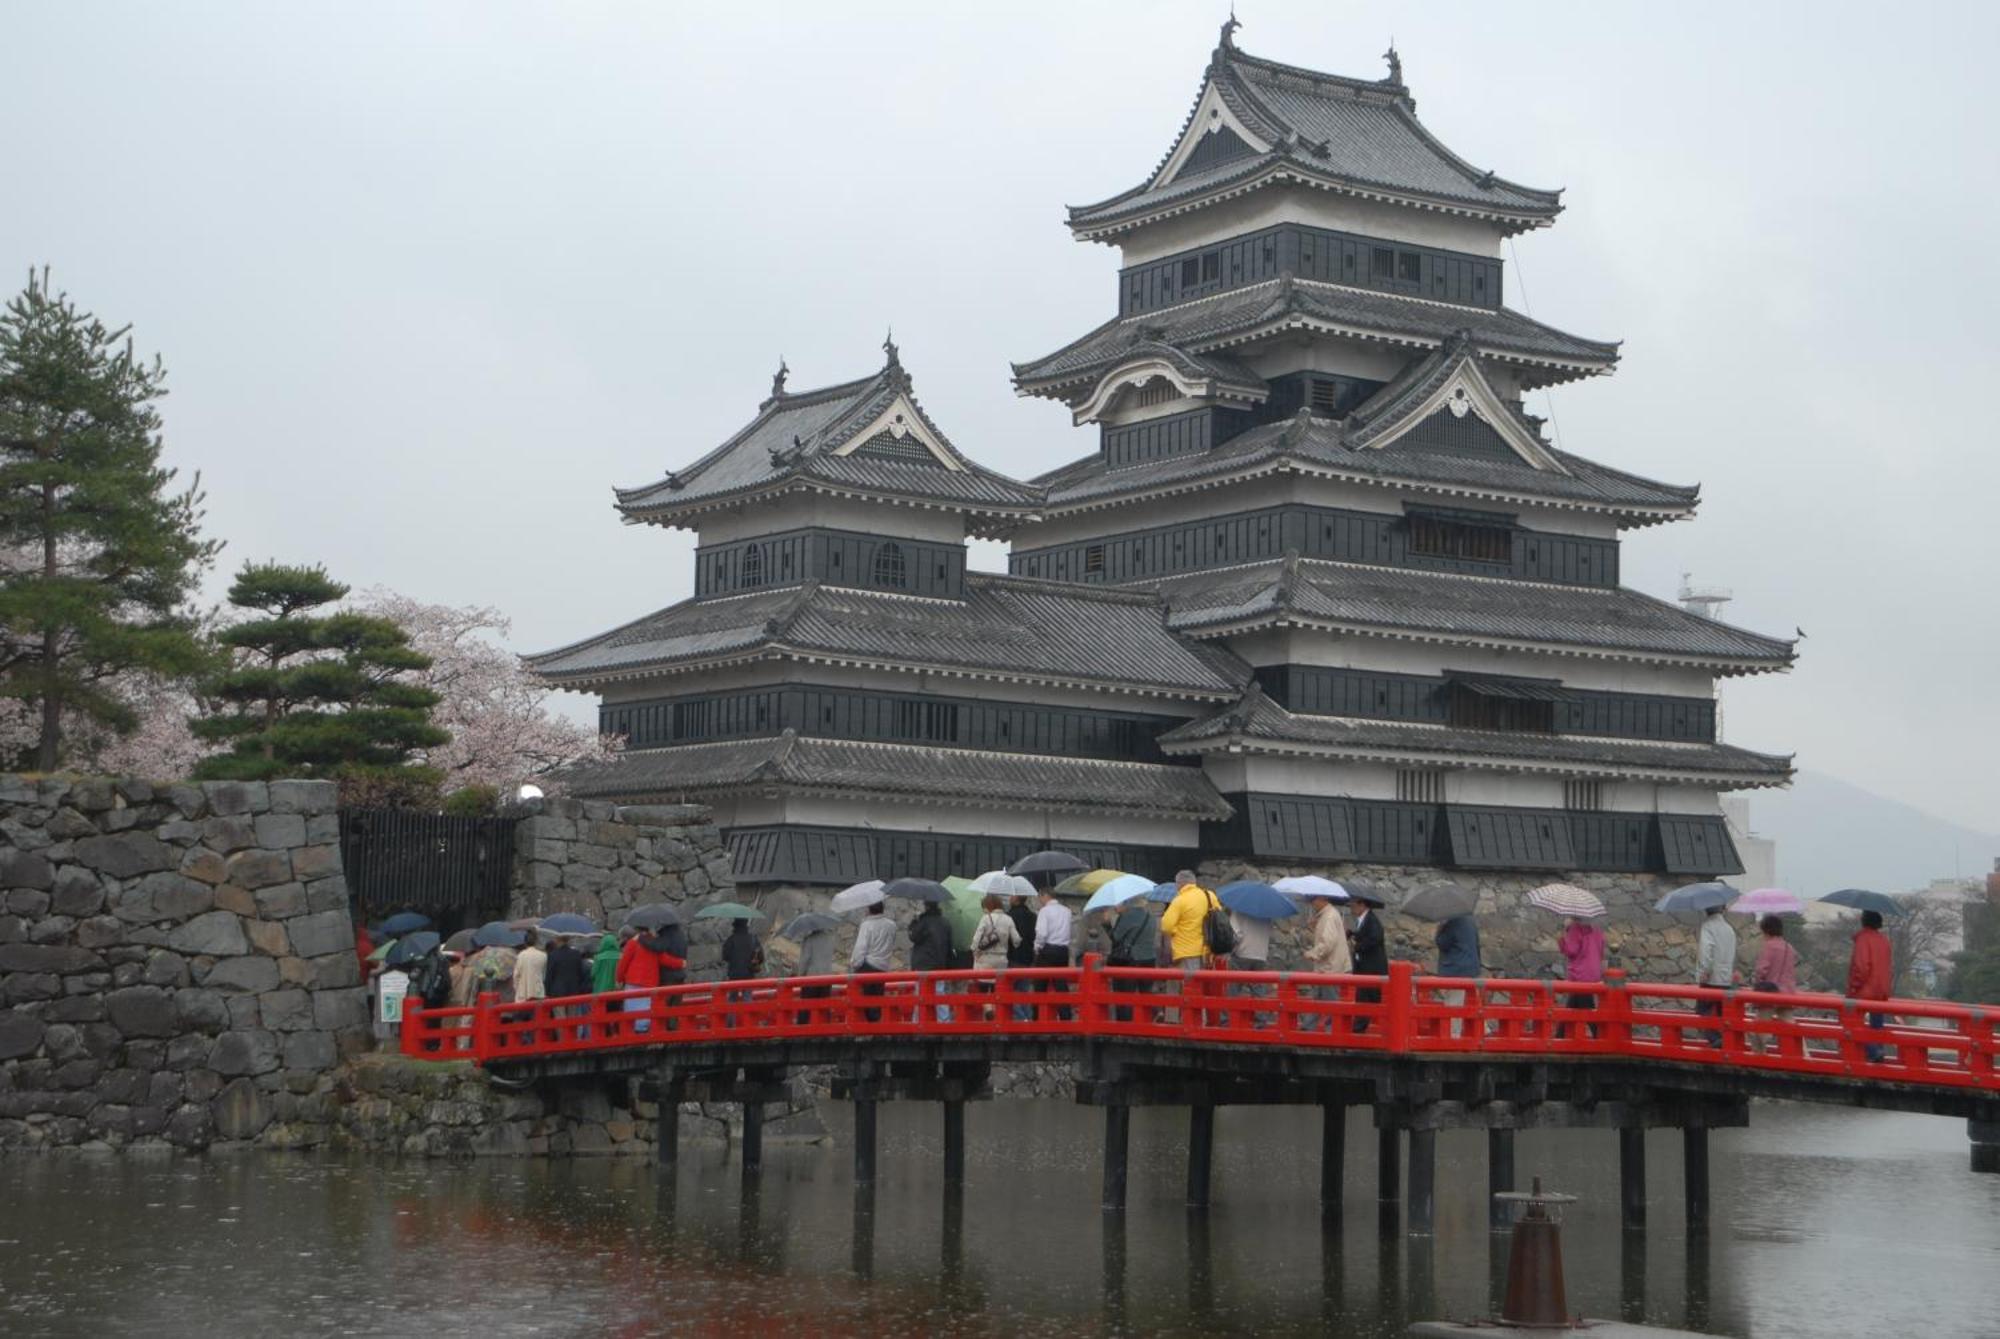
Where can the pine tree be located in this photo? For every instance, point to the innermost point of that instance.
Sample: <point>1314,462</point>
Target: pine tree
<point>319,694</point>
<point>97,557</point>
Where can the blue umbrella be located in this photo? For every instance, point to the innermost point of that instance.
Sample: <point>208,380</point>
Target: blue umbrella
<point>499,934</point>
<point>405,921</point>
<point>409,948</point>
<point>568,923</point>
<point>1259,901</point>
<point>1860,899</point>
<point>1697,897</point>
<point>1163,892</point>
<point>1118,892</point>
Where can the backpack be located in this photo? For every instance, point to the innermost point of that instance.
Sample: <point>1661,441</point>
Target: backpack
<point>1216,930</point>
<point>433,982</point>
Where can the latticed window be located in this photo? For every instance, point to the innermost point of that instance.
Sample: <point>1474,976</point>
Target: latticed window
<point>1583,796</point>
<point>889,568</point>
<point>1442,537</point>
<point>753,565</point>
<point>1420,787</point>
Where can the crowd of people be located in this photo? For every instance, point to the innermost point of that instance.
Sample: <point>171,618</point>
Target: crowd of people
<point>1192,932</point>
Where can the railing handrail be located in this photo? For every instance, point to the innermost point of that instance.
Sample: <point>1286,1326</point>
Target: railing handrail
<point>1952,1045</point>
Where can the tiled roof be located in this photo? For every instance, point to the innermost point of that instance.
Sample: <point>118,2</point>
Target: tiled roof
<point>1401,602</point>
<point>935,775</point>
<point>1260,724</point>
<point>791,443</point>
<point>1357,135</point>
<point>1225,319</point>
<point>1004,627</point>
<point>1318,444</point>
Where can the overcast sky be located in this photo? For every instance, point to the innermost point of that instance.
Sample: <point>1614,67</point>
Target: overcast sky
<point>430,279</point>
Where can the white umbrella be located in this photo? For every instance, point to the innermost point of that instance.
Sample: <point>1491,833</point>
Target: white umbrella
<point>1312,885</point>
<point>859,896</point>
<point>999,883</point>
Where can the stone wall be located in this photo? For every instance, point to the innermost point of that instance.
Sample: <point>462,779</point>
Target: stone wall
<point>177,961</point>
<point>1515,939</point>
<point>601,860</point>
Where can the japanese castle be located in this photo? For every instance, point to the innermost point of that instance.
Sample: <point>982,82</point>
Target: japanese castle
<point>1325,593</point>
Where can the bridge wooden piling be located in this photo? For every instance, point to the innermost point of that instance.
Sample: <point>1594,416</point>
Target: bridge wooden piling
<point>1332,1158</point>
<point>1117,1141</point>
<point>1632,1177</point>
<point>1422,1196</point>
<point>1201,1152</point>
<point>1388,1162</point>
<point>1499,1178</point>
<point>954,1143</point>
<point>1694,1174</point>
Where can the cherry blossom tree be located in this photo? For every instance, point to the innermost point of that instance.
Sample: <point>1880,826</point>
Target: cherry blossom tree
<point>502,733</point>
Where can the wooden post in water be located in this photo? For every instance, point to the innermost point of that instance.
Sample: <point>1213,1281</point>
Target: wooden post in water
<point>1201,1147</point>
<point>1499,1177</point>
<point>1694,1174</point>
<point>1388,1165</point>
<point>1332,1157</point>
<point>1423,1180</point>
<point>1632,1177</point>
<point>954,1143</point>
<point>753,1138</point>
<point>667,1124</point>
<point>1117,1139</point>
<point>864,1141</point>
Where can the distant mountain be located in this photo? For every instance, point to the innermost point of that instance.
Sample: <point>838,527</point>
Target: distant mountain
<point>1833,834</point>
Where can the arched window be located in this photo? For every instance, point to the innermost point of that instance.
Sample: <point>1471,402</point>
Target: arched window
<point>753,565</point>
<point>889,565</point>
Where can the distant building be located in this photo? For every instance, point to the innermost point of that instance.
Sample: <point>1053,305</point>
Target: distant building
<point>1325,593</point>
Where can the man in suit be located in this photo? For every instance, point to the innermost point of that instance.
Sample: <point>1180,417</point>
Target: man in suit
<point>1371,948</point>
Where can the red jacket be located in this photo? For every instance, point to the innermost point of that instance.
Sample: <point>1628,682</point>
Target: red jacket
<point>639,967</point>
<point>1869,974</point>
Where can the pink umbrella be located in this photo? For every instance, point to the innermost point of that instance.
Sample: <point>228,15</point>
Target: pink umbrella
<point>1768,902</point>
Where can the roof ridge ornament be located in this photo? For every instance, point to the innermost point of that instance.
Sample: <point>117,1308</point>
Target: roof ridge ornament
<point>889,349</point>
<point>1227,42</point>
<point>1395,65</point>
<point>778,378</point>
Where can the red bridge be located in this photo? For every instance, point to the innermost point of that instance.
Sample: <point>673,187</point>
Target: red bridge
<point>1425,1053</point>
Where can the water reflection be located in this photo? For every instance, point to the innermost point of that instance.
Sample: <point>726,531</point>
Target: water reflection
<point>1805,1204</point>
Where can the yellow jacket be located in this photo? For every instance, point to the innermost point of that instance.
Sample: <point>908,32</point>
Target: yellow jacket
<point>1183,918</point>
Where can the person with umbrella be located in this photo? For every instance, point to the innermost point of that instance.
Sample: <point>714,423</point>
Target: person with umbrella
<point>1132,934</point>
<point>1371,950</point>
<point>1714,963</point>
<point>1053,927</point>
<point>1022,952</point>
<point>1458,956</point>
<point>604,965</point>
<point>874,947</point>
<point>994,940</point>
<point>1328,950</point>
<point>1871,973</point>
<point>812,931</point>
<point>1776,971</point>
<point>930,946</point>
<point>1581,944</point>
<point>648,961</point>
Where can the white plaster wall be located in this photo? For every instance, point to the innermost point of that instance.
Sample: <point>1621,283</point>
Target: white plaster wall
<point>1306,647</point>
<point>1034,824</point>
<point>1271,205</point>
<point>767,674</point>
<point>869,518</point>
<point>1377,781</point>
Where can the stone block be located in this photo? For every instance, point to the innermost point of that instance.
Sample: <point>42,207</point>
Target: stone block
<point>82,1073</point>
<point>248,1051</point>
<point>228,833</point>
<point>143,1011</point>
<point>240,1110</point>
<point>589,853</point>
<point>327,895</point>
<point>252,974</point>
<point>661,815</point>
<point>218,933</point>
<point>240,901</point>
<point>123,1085</point>
<point>280,832</point>
<point>316,862</point>
<point>204,865</point>
<point>242,1008</point>
<point>586,878</point>
<point>286,1010</point>
<point>189,1127</point>
<point>311,1051</point>
<point>334,1010</point>
<point>331,971</point>
<point>175,897</point>
<point>63,1042</point>
<point>49,929</point>
<point>295,971</point>
<point>56,958</point>
<point>76,892</point>
<point>75,1009</point>
<point>12,929</point>
<point>148,1119</point>
<point>187,800</point>
<point>126,855</point>
<point>237,797</point>
<point>92,794</point>
<point>256,869</point>
<point>544,827</point>
<point>543,848</point>
<point>24,869</point>
<point>323,829</point>
<point>321,932</point>
<point>281,901</point>
<point>99,932</point>
<point>268,937</point>
<point>67,823</point>
<point>304,797</point>
<point>165,968</point>
<point>543,874</point>
<point>164,1090</point>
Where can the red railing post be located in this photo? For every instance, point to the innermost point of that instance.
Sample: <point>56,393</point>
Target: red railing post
<point>1615,1007</point>
<point>1397,1002</point>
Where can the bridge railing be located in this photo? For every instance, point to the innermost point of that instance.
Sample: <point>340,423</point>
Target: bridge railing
<point>1916,1041</point>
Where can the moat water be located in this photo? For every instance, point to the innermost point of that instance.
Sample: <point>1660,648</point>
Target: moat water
<point>1826,1223</point>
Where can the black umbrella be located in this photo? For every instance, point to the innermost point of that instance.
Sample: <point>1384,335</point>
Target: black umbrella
<point>405,921</point>
<point>652,916</point>
<point>460,942</point>
<point>917,890</point>
<point>810,923</point>
<point>498,934</point>
<point>1862,900</point>
<point>410,947</point>
<point>1048,862</point>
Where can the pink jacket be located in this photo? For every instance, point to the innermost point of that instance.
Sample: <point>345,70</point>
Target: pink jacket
<point>1582,948</point>
<point>1778,963</point>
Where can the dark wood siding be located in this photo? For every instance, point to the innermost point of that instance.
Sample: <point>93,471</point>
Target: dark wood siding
<point>1311,253</point>
<point>1331,828</point>
<point>837,557</point>
<point>842,713</point>
<point>1337,535</point>
<point>1383,696</point>
<point>842,856</point>
<point>1172,435</point>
